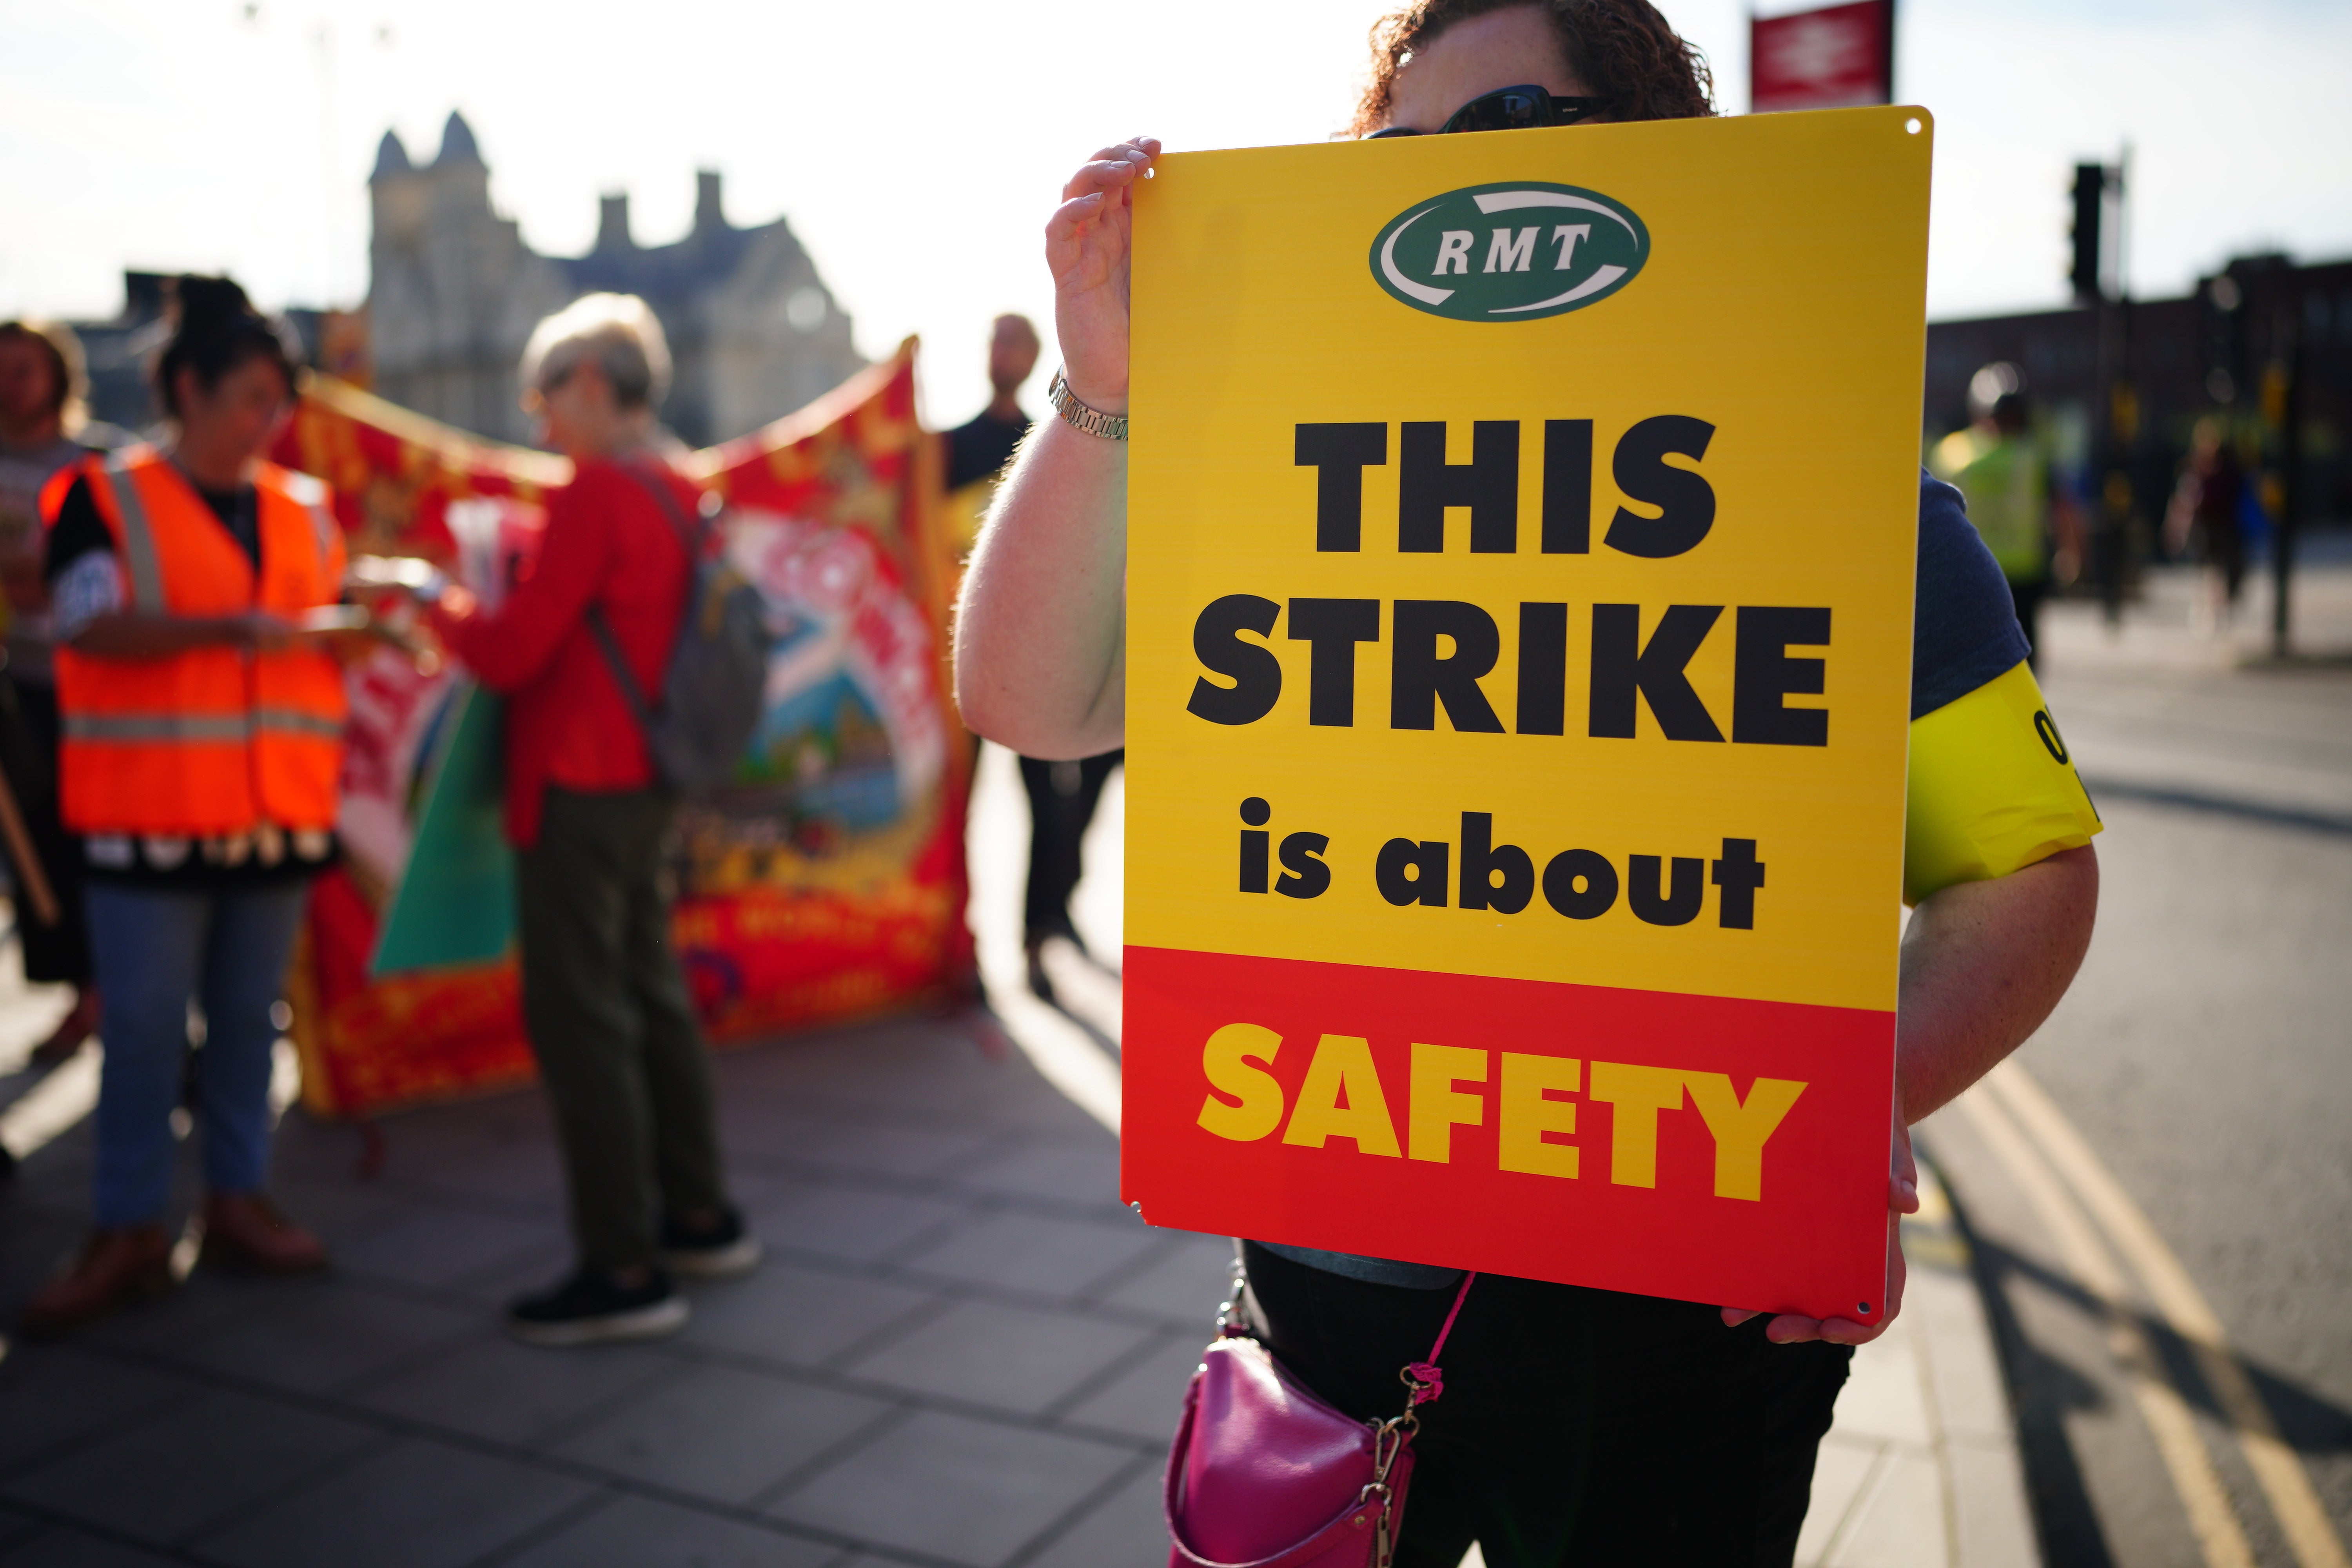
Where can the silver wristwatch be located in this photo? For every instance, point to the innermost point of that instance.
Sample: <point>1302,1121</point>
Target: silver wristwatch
<point>1093,421</point>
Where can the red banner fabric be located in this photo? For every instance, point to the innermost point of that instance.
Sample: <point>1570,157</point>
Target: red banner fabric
<point>826,881</point>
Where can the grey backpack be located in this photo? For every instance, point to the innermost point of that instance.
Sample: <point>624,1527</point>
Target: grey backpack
<point>716,685</point>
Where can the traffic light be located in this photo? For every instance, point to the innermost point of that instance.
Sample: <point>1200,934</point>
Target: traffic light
<point>2090,208</point>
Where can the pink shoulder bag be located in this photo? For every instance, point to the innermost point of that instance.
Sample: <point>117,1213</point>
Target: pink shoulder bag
<point>1263,1474</point>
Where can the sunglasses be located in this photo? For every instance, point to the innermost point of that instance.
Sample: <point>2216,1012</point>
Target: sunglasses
<point>1509,108</point>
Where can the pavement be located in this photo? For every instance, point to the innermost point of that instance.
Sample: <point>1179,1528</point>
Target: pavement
<point>960,1349</point>
<point>2158,1188</point>
<point>962,1353</point>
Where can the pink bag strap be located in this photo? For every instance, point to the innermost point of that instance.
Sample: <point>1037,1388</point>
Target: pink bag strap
<point>1351,1519</point>
<point>1425,1378</point>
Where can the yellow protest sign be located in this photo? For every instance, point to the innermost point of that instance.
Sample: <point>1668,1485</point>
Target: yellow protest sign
<point>1521,529</point>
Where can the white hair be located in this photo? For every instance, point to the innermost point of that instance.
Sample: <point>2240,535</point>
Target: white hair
<point>617,331</point>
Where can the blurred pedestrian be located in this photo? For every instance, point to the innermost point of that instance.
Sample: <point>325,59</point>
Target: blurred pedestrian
<point>2013,499</point>
<point>41,414</point>
<point>1577,1424</point>
<point>1062,794</point>
<point>201,741</point>
<point>2202,522</point>
<point>604,997</point>
<point>979,449</point>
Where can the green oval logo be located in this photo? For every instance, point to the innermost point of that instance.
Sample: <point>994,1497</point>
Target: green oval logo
<point>1516,252</point>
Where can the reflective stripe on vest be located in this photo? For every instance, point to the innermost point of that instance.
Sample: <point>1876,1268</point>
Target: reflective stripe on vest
<point>104,727</point>
<point>138,557</point>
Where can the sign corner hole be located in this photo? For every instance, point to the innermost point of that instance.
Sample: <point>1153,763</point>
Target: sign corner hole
<point>1865,1308</point>
<point>1911,126</point>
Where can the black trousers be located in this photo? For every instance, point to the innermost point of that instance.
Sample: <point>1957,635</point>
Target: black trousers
<point>30,728</point>
<point>1062,800</point>
<point>612,1026</point>
<point>1577,1427</point>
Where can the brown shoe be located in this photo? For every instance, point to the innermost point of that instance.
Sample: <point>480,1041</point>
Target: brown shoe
<point>115,1267</point>
<point>73,1031</point>
<point>246,1228</point>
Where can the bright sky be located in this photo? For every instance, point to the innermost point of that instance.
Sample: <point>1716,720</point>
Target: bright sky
<point>918,148</point>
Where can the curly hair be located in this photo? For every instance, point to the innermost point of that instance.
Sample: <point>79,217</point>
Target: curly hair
<point>1622,49</point>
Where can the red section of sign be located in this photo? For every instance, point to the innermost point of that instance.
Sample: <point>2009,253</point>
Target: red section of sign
<point>1813,1241</point>
<point>1838,57</point>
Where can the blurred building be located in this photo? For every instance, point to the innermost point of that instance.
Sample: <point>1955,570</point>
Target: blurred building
<point>118,350</point>
<point>2264,345</point>
<point>453,293</point>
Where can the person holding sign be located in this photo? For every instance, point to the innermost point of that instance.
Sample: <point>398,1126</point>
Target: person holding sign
<point>1578,1425</point>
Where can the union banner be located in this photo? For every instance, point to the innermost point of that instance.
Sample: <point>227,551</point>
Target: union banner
<point>825,881</point>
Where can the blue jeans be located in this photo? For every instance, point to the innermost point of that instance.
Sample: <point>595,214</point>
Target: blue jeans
<point>154,951</point>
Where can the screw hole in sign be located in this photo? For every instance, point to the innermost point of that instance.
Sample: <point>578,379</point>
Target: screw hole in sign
<point>1865,1308</point>
<point>1912,126</point>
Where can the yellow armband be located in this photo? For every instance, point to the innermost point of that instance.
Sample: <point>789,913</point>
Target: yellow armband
<point>1992,789</point>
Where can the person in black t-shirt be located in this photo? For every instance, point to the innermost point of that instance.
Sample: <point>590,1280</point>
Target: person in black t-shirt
<point>1062,796</point>
<point>978,450</point>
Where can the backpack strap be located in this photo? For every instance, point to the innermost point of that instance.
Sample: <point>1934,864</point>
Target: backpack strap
<point>623,676</point>
<point>694,536</point>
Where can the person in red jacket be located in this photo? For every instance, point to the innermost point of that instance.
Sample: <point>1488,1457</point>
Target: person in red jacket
<point>604,998</point>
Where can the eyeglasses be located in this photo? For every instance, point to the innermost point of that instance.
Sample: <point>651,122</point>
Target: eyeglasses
<point>1509,108</point>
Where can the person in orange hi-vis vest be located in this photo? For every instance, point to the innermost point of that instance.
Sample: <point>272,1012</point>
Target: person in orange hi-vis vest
<point>201,740</point>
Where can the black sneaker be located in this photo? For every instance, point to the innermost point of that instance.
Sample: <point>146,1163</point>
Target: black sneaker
<point>593,1307</point>
<point>723,1250</point>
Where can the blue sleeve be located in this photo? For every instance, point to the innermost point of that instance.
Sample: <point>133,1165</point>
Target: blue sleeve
<point>1964,630</point>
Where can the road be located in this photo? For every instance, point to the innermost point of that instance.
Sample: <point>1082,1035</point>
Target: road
<point>2205,1058</point>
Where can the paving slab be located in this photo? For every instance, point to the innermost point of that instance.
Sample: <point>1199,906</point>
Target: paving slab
<point>1144,1397</point>
<point>210,1303</point>
<point>949,1487</point>
<point>1022,1359</point>
<point>1901,1521</point>
<point>56,1397</point>
<point>1040,1254</point>
<point>858,1225</point>
<point>1079,1173</point>
<point>1180,1282</point>
<point>1123,1530</point>
<point>336,1333</point>
<point>642,1533</point>
<point>501,1392</point>
<point>726,1432</point>
<point>414,1504</point>
<point>802,1316</point>
<point>189,1465</point>
<point>438,1246</point>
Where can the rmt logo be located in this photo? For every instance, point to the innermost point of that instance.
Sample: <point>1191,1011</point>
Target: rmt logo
<point>1557,249</point>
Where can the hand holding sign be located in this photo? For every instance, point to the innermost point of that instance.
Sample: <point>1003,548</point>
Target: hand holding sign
<point>1086,247</point>
<point>1901,1199</point>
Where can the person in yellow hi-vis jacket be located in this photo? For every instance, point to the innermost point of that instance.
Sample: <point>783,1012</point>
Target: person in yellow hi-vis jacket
<point>1579,1426</point>
<point>2013,496</point>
